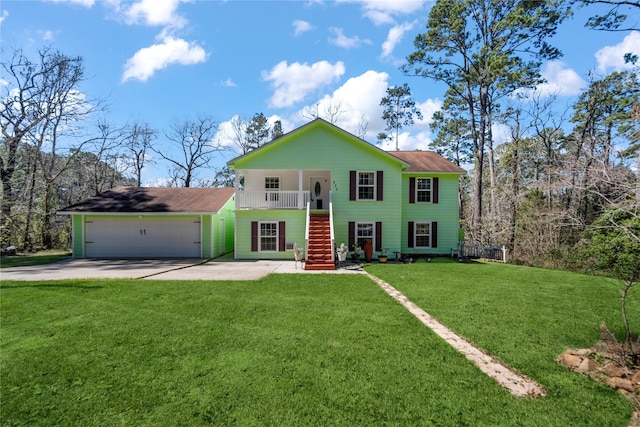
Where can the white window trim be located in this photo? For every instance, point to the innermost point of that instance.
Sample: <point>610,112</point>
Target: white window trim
<point>375,186</point>
<point>415,235</point>
<point>430,191</point>
<point>373,232</point>
<point>277,236</point>
<point>272,197</point>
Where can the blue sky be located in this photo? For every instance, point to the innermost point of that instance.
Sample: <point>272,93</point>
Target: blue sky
<point>161,61</point>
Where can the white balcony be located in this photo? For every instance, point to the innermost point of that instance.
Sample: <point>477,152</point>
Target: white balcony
<point>272,199</point>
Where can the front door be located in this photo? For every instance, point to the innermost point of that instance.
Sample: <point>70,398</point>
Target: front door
<point>319,188</point>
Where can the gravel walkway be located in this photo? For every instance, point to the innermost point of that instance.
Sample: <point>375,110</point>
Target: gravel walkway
<point>518,385</point>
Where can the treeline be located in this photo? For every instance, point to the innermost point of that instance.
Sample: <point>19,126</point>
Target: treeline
<point>541,186</point>
<point>55,151</point>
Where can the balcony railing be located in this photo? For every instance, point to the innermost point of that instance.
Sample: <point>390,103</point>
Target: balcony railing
<point>272,199</point>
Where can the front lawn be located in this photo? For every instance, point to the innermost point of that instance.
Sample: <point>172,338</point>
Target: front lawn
<point>298,350</point>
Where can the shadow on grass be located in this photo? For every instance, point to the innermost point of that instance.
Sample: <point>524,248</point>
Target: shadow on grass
<point>52,285</point>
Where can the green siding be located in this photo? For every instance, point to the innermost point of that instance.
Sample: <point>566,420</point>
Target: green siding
<point>445,213</point>
<point>295,231</point>
<point>78,236</point>
<point>227,212</point>
<point>206,236</point>
<point>323,147</point>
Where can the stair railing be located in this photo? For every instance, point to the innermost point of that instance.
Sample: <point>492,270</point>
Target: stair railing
<point>333,240</point>
<point>306,231</point>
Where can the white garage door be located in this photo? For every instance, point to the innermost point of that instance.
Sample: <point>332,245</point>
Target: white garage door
<point>143,237</point>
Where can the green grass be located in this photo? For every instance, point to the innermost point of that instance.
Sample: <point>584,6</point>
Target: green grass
<point>301,350</point>
<point>45,257</point>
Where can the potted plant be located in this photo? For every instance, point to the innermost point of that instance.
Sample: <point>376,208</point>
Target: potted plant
<point>368,250</point>
<point>355,254</point>
<point>383,255</point>
<point>342,252</point>
<point>297,252</point>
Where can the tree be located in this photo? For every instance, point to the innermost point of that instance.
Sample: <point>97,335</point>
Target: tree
<point>193,142</point>
<point>612,247</point>
<point>331,112</point>
<point>484,50</point>
<point>40,100</point>
<point>603,121</point>
<point>252,134</point>
<point>614,17</point>
<point>138,141</point>
<point>257,131</point>
<point>399,108</point>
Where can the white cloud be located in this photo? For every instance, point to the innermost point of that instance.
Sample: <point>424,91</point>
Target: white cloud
<point>151,12</point>
<point>560,81</point>
<point>395,36</point>
<point>47,35</point>
<point>301,27</point>
<point>5,15</point>
<point>612,57</point>
<point>341,40</point>
<point>382,12</point>
<point>148,60</point>
<point>292,83</point>
<point>229,83</point>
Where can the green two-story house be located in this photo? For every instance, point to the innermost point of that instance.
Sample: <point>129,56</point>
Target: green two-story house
<point>319,186</point>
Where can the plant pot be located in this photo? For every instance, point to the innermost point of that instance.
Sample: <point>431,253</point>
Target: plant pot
<point>368,251</point>
<point>342,256</point>
<point>355,257</point>
<point>382,258</point>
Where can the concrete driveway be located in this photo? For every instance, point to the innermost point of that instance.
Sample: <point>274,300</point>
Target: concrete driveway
<point>158,269</point>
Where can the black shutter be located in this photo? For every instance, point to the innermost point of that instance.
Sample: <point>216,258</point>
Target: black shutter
<point>254,236</point>
<point>378,236</point>
<point>281,236</point>
<point>412,190</point>
<point>352,185</point>
<point>434,234</point>
<point>434,190</point>
<point>379,185</point>
<point>410,237</point>
<point>352,234</point>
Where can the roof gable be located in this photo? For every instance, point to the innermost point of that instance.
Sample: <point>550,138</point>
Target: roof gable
<point>154,200</point>
<point>302,135</point>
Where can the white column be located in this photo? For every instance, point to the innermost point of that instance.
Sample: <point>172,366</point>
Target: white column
<point>300,193</point>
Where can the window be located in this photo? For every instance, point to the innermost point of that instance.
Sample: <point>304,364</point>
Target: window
<point>423,190</point>
<point>366,186</point>
<point>422,234</point>
<point>272,186</point>
<point>268,236</point>
<point>364,232</point>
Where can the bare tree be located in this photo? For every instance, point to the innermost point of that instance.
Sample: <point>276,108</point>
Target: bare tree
<point>40,99</point>
<point>193,145</point>
<point>331,112</point>
<point>138,141</point>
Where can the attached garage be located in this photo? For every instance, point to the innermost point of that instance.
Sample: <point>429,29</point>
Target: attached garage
<point>126,237</point>
<point>135,222</point>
